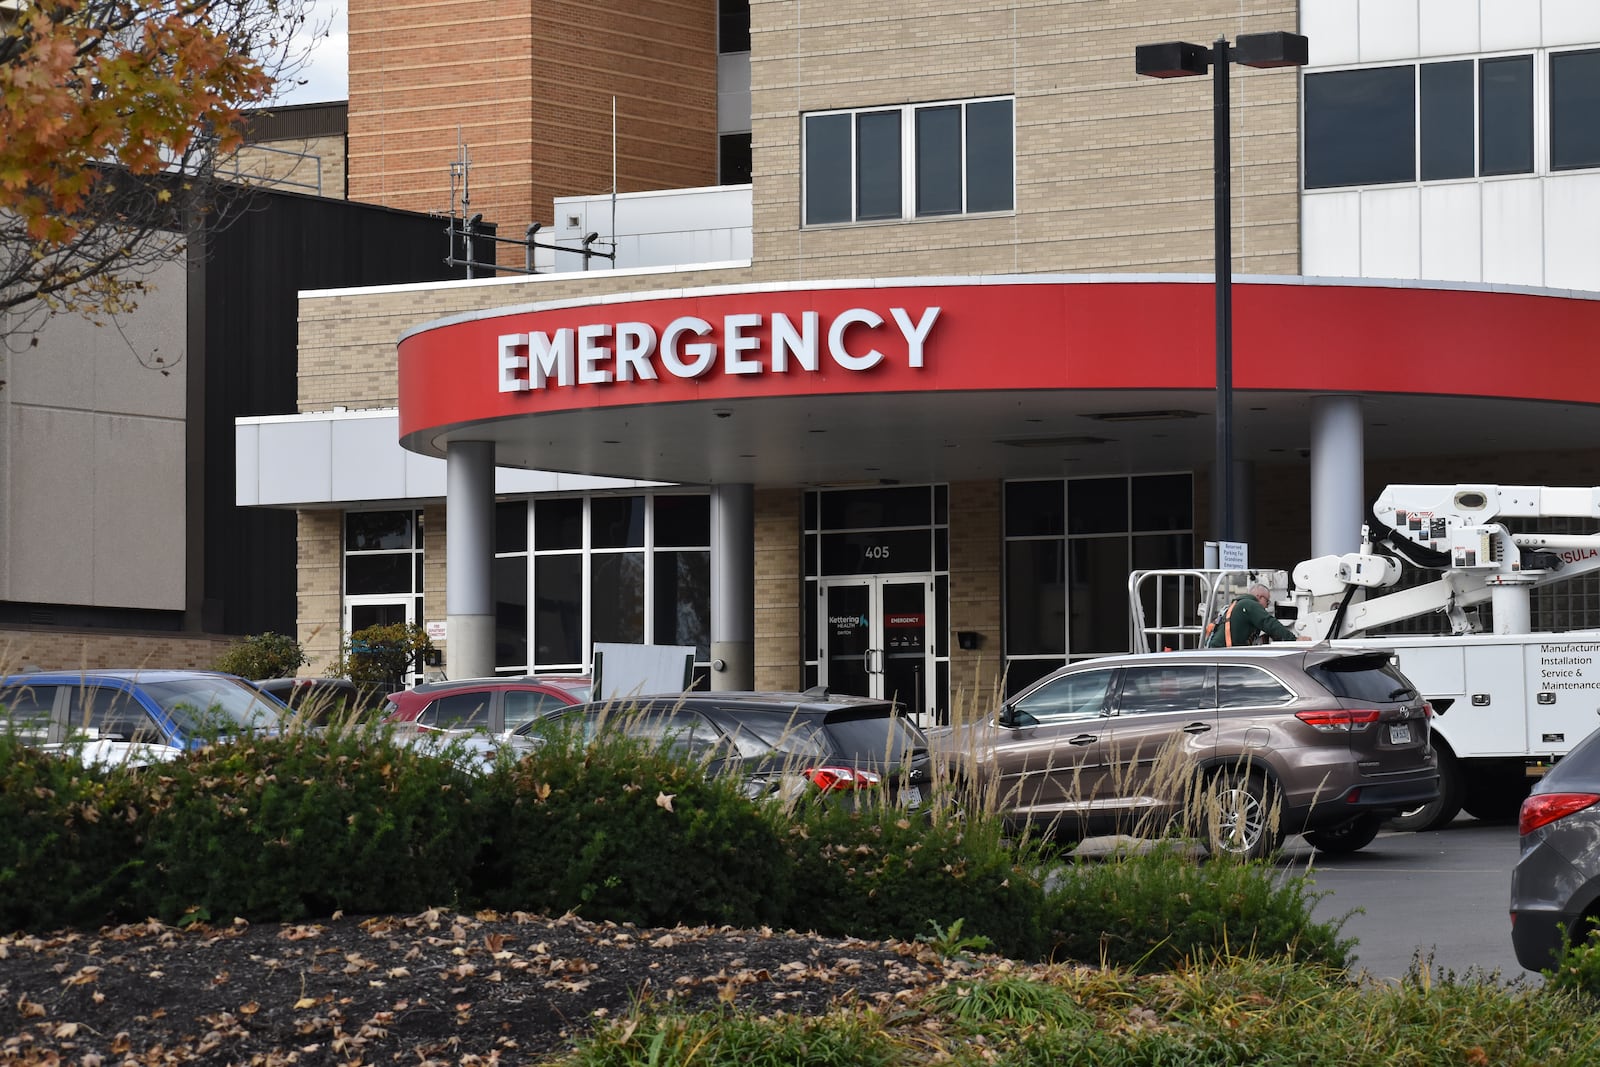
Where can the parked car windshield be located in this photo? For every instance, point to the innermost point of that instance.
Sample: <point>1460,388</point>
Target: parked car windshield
<point>210,703</point>
<point>1367,677</point>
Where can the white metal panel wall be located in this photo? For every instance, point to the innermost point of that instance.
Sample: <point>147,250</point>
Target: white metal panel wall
<point>1390,227</point>
<point>1330,228</point>
<point>733,92</point>
<point>1572,231</point>
<point>1513,232</point>
<point>1333,28</point>
<point>1507,23</point>
<point>1570,22</point>
<point>1452,232</point>
<point>1388,30</point>
<point>1446,28</point>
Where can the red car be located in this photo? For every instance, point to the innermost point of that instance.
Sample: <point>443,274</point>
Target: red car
<point>490,705</point>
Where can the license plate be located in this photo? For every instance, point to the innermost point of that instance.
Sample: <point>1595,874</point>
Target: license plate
<point>911,796</point>
<point>1400,733</point>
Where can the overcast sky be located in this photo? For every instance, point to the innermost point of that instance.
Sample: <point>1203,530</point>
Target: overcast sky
<point>326,73</point>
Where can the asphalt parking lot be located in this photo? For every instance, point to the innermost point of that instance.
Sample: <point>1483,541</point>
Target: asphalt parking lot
<point>1443,894</point>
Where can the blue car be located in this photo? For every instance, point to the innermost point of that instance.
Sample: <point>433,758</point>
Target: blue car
<point>143,711</point>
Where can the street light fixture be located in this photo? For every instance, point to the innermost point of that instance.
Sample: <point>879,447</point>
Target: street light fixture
<point>1181,59</point>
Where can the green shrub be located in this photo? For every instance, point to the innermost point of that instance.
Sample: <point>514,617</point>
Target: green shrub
<point>69,839</point>
<point>614,830</point>
<point>307,824</point>
<point>381,656</point>
<point>1578,968</point>
<point>266,655</point>
<point>874,870</point>
<point>1153,910</point>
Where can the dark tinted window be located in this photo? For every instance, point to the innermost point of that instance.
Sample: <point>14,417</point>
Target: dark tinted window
<point>1036,620</point>
<point>860,509</point>
<point>1097,505</point>
<point>734,159</point>
<point>1448,136</point>
<point>1373,678</point>
<point>616,522</point>
<point>871,737</point>
<point>1360,127</point>
<point>388,572</point>
<point>1035,509</point>
<point>367,531</point>
<point>510,610</point>
<point>1178,687</point>
<point>1574,110</point>
<point>1249,687</point>
<point>683,521</point>
<point>511,526</point>
<point>558,523</point>
<point>1163,502</point>
<point>1506,109</point>
<point>115,713</point>
<point>616,597</point>
<point>990,180</point>
<point>733,25</point>
<point>458,711</point>
<point>939,160</point>
<point>682,602</point>
<point>878,165</point>
<point>558,609</point>
<point>829,173</point>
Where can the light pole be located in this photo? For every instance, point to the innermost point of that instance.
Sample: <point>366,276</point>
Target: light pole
<point>1181,59</point>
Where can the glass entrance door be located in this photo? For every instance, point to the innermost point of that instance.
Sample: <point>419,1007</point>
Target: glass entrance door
<point>380,611</point>
<point>874,639</point>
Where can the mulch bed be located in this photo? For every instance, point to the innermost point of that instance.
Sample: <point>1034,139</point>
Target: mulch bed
<point>435,988</point>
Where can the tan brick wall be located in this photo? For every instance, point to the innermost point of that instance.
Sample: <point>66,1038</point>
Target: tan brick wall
<point>527,86</point>
<point>318,604</point>
<point>314,166</point>
<point>778,585</point>
<point>70,650</point>
<point>1113,170</point>
<point>975,596</point>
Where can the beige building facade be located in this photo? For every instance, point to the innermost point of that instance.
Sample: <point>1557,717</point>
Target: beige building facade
<point>1108,180</point>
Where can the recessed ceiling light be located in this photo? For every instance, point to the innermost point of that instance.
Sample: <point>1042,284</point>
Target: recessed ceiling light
<point>1143,416</point>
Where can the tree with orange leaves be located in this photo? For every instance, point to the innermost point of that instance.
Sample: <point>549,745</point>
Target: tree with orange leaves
<point>114,115</point>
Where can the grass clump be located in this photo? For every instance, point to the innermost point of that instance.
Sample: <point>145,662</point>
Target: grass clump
<point>846,1039</point>
<point>1157,909</point>
<point>1007,998</point>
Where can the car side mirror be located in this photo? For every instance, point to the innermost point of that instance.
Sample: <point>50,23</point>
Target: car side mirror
<point>1012,719</point>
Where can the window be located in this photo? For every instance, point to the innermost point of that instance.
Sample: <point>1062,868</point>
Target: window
<point>1084,695</point>
<point>1147,690</point>
<point>733,26</point>
<point>1249,687</point>
<point>915,161</point>
<point>1069,546</point>
<point>1574,102</point>
<point>525,705</point>
<point>1440,121</point>
<point>571,571</point>
<point>458,712</point>
<point>734,160</point>
<point>29,712</point>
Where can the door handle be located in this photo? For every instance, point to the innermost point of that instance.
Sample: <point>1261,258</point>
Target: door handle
<point>1197,728</point>
<point>1083,739</point>
<point>866,661</point>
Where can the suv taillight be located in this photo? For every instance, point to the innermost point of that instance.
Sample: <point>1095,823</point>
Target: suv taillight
<point>1340,721</point>
<point>1545,808</point>
<point>829,779</point>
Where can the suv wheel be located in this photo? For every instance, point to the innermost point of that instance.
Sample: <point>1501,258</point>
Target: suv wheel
<point>1352,835</point>
<point>1443,808</point>
<point>1242,817</point>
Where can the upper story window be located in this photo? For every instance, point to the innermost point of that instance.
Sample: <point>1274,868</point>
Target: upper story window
<point>733,26</point>
<point>915,161</point>
<point>1455,119</point>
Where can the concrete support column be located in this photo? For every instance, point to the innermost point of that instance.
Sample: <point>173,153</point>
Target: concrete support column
<point>469,558</point>
<point>1338,461</point>
<point>733,587</point>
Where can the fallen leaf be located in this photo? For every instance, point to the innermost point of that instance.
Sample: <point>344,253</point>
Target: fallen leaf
<point>28,1009</point>
<point>250,1008</point>
<point>664,800</point>
<point>304,1002</point>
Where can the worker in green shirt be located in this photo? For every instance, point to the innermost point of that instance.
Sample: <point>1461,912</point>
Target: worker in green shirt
<point>1247,618</point>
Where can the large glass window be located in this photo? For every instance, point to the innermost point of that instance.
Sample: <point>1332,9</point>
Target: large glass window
<point>1070,545</point>
<point>1360,127</point>
<point>1450,120</point>
<point>626,569</point>
<point>920,160</point>
<point>1574,107</point>
<point>383,553</point>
